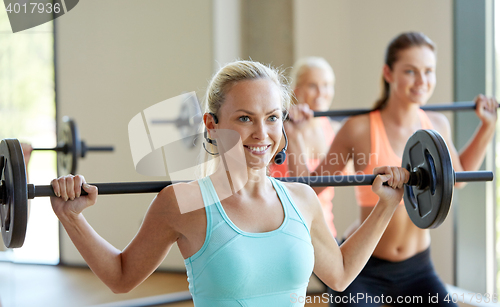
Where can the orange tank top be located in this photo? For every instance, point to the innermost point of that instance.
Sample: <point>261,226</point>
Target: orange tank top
<point>381,154</point>
<point>326,196</point>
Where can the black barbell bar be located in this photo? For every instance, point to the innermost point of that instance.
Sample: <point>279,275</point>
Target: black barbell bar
<point>459,106</point>
<point>427,194</point>
<point>65,148</point>
<point>318,181</point>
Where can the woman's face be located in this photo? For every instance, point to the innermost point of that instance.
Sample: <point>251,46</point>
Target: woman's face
<point>315,88</point>
<point>413,75</point>
<point>253,108</point>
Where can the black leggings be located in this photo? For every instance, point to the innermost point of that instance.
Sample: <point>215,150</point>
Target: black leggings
<point>381,282</point>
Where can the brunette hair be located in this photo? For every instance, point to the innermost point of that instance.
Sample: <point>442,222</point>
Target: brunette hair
<point>401,42</point>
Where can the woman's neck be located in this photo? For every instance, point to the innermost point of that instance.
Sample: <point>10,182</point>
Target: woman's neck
<point>401,113</point>
<point>245,181</point>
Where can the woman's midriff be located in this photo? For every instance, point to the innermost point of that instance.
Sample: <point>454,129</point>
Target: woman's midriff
<point>402,239</point>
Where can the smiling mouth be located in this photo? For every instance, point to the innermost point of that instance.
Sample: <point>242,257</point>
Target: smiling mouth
<point>257,149</point>
<point>419,93</point>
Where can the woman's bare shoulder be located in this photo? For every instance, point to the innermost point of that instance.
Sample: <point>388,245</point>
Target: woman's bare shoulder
<point>180,198</point>
<point>354,129</point>
<point>358,124</point>
<point>303,195</point>
<point>180,208</point>
<point>296,187</point>
<point>439,121</point>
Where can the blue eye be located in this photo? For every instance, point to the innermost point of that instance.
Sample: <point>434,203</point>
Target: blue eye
<point>409,72</point>
<point>244,118</point>
<point>273,118</point>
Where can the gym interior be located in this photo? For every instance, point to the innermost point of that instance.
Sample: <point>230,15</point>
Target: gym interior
<point>103,62</point>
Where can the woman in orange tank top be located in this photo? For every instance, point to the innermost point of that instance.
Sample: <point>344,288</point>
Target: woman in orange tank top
<point>313,86</point>
<point>401,264</point>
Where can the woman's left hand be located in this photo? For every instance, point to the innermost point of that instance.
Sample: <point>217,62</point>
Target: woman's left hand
<point>299,115</point>
<point>395,177</point>
<point>486,109</point>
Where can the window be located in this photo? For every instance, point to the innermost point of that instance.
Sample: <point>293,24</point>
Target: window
<point>497,150</point>
<point>27,112</point>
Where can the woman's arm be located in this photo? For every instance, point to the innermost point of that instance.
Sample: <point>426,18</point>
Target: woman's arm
<point>473,153</point>
<point>337,267</point>
<point>120,271</point>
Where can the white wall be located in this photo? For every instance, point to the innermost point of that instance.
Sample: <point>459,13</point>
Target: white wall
<point>352,35</point>
<point>114,59</point>
<point>227,31</point>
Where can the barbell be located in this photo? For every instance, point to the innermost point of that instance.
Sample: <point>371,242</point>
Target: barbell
<point>70,148</point>
<point>190,116</point>
<point>459,106</point>
<point>427,194</point>
<point>188,121</point>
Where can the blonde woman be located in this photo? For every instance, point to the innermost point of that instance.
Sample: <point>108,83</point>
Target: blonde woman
<point>258,245</point>
<point>312,84</point>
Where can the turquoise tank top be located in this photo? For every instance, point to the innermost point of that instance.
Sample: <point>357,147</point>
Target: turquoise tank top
<point>235,268</point>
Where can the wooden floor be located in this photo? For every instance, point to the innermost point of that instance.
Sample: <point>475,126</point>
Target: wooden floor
<point>24,285</point>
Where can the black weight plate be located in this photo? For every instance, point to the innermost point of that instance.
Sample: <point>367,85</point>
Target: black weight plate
<point>428,206</point>
<point>67,161</point>
<point>448,176</point>
<point>14,207</point>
